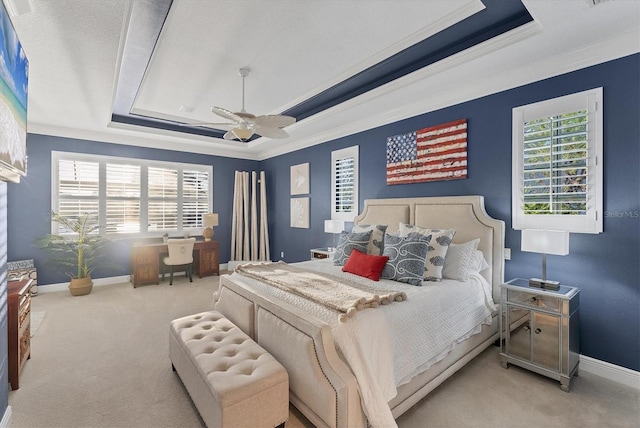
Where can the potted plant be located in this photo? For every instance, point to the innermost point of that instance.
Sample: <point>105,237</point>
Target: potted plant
<point>77,251</point>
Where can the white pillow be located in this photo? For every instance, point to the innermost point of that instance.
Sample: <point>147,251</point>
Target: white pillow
<point>462,260</point>
<point>480,263</point>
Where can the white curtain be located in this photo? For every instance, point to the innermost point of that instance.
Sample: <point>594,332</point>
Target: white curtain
<point>249,232</point>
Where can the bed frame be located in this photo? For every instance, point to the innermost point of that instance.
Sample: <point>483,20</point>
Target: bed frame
<point>321,385</point>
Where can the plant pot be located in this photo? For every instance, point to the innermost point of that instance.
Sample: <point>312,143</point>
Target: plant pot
<point>81,286</point>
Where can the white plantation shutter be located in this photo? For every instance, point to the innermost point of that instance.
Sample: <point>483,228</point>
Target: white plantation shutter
<point>78,189</point>
<point>132,196</point>
<point>122,198</point>
<point>344,184</point>
<point>195,197</point>
<point>163,199</point>
<point>557,166</point>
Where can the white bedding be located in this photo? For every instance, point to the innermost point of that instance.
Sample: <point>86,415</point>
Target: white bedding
<point>386,347</point>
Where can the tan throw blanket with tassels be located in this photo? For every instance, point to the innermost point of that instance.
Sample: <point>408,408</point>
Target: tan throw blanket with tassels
<point>324,289</point>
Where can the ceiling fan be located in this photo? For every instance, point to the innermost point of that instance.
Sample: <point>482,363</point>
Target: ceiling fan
<point>244,124</point>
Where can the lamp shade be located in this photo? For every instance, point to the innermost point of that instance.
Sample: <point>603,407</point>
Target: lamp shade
<point>210,220</point>
<point>333,226</point>
<point>545,242</point>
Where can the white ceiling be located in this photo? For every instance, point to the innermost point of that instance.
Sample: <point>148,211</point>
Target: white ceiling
<point>295,49</point>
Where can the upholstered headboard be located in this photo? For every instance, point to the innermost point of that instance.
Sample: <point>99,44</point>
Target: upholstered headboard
<point>465,214</point>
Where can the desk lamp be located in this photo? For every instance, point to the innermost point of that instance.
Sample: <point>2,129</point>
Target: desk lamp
<point>209,220</point>
<point>545,242</point>
<point>335,227</point>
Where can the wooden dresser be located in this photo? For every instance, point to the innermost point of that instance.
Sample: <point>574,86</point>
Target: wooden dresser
<point>19,327</point>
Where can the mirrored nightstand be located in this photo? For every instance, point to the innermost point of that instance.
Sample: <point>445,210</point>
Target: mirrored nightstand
<point>540,329</point>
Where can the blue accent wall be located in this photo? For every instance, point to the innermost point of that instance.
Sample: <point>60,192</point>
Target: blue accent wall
<point>605,266</point>
<point>30,200</point>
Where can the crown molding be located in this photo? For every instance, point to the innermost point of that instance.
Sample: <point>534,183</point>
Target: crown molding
<point>195,144</point>
<point>616,47</point>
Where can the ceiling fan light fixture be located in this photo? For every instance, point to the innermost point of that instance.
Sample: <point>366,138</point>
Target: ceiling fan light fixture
<point>245,125</point>
<point>242,133</point>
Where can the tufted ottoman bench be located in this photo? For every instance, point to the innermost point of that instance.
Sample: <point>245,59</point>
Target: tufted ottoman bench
<point>231,379</point>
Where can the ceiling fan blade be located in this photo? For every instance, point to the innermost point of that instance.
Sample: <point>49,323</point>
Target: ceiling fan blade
<point>274,120</point>
<point>269,132</point>
<point>227,114</point>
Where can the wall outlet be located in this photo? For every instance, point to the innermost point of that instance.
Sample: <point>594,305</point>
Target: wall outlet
<point>507,253</point>
<point>282,254</point>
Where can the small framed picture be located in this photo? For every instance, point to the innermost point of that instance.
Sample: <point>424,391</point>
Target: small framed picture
<point>300,179</point>
<point>300,212</point>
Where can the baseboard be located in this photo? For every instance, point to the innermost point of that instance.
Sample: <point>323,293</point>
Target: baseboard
<point>610,371</point>
<point>99,281</point>
<point>6,418</point>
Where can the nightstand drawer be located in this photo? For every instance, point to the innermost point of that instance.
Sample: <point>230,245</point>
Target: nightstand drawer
<point>535,301</point>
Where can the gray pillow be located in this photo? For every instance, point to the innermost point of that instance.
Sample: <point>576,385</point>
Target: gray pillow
<point>406,258</point>
<point>376,242</point>
<point>346,244</point>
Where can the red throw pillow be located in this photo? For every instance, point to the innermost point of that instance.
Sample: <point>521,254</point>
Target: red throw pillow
<point>366,265</point>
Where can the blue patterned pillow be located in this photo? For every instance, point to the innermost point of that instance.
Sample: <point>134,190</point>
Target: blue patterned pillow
<point>347,242</point>
<point>438,246</point>
<point>376,242</point>
<point>406,258</point>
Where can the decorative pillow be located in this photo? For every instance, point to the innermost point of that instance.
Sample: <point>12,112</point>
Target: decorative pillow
<point>460,260</point>
<point>479,263</point>
<point>376,242</point>
<point>365,265</point>
<point>347,242</point>
<point>438,246</point>
<point>406,258</point>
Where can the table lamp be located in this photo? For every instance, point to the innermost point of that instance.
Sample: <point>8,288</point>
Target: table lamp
<point>335,227</point>
<point>209,220</point>
<point>545,242</point>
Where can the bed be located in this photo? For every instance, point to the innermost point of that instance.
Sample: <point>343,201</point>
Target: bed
<point>325,384</point>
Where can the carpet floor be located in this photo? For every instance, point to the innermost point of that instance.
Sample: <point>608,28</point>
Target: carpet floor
<point>101,360</point>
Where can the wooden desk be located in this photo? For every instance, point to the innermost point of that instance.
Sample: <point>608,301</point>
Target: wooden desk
<point>146,261</point>
<point>18,327</point>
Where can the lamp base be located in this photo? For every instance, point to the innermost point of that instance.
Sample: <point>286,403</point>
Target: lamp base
<point>207,234</point>
<point>544,283</point>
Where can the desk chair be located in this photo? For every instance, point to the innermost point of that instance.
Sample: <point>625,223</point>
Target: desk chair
<point>180,254</point>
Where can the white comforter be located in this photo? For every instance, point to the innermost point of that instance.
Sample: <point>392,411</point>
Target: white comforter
<point>386,347</point>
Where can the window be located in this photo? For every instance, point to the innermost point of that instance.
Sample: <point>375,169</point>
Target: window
<point>557,164</point>
<point>131,196</point>
<point>344,184</point>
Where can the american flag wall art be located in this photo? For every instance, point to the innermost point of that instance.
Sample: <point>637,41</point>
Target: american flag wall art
<point>430,154</point>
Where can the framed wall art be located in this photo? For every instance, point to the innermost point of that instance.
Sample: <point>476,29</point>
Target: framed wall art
<point>430,154</point>
<point>300,179</point>
<point>300,213</point>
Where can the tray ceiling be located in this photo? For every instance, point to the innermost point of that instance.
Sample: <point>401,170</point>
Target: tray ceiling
<point>134,72</point>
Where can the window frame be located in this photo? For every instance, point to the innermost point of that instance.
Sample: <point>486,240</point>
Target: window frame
<point>336,156</point>
<point>102,198</point>
<point>592,221</point>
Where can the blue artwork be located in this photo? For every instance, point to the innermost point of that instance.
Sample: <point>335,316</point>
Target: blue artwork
<point>14,76</point>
